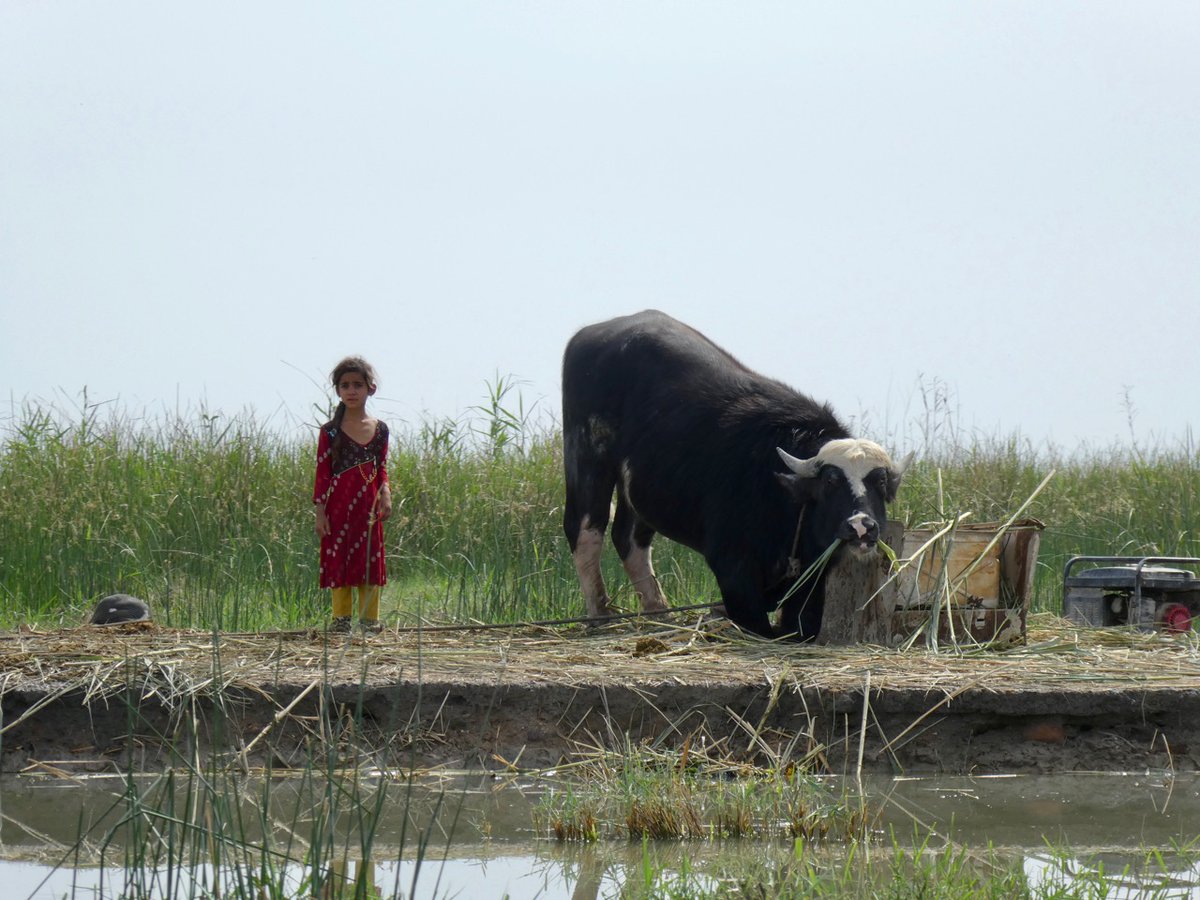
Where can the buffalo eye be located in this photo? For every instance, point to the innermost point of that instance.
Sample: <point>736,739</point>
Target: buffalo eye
<point>831,476</point>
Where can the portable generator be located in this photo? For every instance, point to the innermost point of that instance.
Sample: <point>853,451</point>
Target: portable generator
<point>1147,592</point>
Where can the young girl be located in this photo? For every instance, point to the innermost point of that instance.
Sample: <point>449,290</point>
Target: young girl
<point>352,498</point>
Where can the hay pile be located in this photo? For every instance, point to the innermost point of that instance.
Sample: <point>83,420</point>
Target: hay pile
<point>173,664</point>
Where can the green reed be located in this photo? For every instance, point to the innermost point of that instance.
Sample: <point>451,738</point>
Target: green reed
<point>636,793</point>
<point>208,515</point>
<point>891,873</point>
<point>914,868</point>
<point>206,826</point>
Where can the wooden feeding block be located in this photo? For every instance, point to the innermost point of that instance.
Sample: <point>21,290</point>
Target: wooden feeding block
<point>977,579</point>
<point>860,598</point>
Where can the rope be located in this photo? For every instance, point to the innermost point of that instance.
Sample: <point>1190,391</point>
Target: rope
<point>550,623</point>
<point>490,626</point>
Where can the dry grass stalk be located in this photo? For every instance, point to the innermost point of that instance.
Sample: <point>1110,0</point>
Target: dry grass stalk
<point>171,666</point>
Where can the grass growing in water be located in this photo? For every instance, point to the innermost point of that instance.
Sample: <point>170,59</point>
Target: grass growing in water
<point>636,794</point>
<point>909,869</point>
<point>204,820</point>
<point>210,827</point>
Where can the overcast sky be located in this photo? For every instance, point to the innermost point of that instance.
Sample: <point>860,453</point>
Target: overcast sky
<point>877,203</point>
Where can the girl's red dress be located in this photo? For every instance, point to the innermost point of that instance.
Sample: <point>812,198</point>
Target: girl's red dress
<point>349,478</point>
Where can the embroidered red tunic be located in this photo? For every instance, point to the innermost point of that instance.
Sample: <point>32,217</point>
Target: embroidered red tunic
<point>349,478</point>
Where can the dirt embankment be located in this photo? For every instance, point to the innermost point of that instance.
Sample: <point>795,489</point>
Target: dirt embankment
<point>93,698</point>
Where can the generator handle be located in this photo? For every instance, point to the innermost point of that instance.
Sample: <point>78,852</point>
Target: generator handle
<point>1140,562</point>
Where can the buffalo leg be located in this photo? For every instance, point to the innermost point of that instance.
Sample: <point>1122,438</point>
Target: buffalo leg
<point>632,536</point>
<point>586,554</point>
<point>590,484</point>
<point>744,605</point>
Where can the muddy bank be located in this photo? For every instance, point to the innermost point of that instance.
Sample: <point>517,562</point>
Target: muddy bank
<point>91,698</point>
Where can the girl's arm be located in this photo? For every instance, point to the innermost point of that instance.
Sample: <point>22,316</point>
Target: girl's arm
<point>321,526</point>
<point>322,483</point>
<point>384,501</point>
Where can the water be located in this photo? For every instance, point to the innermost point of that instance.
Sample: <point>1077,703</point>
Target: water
<point>1119,811</point>
<point>517,877</point>
<point>479,838</point>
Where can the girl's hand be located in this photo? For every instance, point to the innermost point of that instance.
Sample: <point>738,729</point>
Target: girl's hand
<point>322,523</point>
<point>384,504</point>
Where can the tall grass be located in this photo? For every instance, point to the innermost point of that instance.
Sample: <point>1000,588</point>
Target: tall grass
<point>1120,500</point>
<point>199,514</point>
<point>208,517</point>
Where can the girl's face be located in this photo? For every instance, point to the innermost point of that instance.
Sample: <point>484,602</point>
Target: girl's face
<point>352,390</point>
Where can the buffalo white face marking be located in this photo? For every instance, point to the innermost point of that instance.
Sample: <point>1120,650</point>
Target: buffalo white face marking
<point>857,458</point>
<point>856,522</point>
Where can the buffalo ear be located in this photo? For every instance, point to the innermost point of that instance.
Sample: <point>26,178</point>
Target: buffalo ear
<point>799,487</point>
<point>895,474</point>
<point>798,481</point>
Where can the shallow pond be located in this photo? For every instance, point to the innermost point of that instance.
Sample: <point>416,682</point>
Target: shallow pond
<point>475,836</point>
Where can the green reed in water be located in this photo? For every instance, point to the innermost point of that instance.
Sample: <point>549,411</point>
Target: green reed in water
<point>208,827</point>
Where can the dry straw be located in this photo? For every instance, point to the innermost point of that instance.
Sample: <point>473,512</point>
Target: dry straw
<point>173,665</point>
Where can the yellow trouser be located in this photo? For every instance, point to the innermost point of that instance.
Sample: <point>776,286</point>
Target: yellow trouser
<point>368,602</point>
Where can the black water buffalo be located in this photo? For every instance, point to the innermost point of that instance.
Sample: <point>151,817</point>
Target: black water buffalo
<point>756,477</point>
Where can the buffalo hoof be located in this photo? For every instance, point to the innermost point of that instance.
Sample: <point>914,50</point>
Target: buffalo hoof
<point>118,608</point>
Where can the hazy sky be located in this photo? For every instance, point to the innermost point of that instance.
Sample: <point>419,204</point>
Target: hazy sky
<point>874,202</point>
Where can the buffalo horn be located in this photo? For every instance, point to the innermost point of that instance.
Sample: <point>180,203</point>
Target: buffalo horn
<point>805,468</point>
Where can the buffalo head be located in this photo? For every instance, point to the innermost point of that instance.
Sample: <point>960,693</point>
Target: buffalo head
<point>845,490</point>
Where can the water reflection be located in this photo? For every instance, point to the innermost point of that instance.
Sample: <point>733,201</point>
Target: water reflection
<point>1081,810</point>
<point>473,836</point>
<point>1049,872</point>
<point>588,875</point>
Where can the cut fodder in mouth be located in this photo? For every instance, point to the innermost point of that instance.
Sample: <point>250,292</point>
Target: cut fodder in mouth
<point>860,549</point>
<point>814,571</point>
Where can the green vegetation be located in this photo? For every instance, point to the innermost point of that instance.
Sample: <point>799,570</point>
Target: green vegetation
<point>636,794</point>
<point>208,515</point>
<point>913,869</point>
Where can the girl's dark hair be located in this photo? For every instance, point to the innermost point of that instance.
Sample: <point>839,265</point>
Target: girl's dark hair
<point>345,367</point>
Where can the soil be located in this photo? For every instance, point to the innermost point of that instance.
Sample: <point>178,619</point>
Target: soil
<point>147,697</point>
